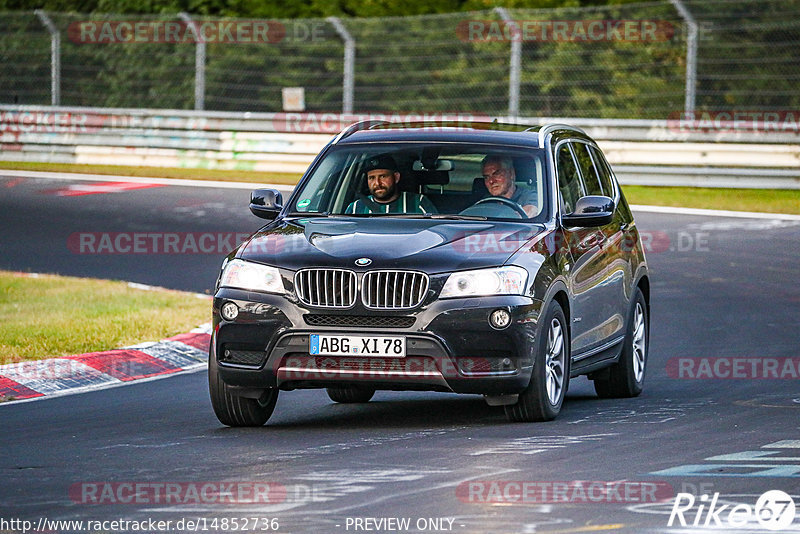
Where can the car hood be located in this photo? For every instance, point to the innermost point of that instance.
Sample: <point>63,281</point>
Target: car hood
<point>430,245</point>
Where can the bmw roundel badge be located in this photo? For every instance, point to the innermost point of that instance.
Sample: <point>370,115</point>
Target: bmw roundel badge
<point>363,262</point>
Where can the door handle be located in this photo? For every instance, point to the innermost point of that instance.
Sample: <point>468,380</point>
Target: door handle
<point>595,240</point>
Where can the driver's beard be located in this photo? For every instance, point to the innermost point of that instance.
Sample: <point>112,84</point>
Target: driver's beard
<point>387,194</point>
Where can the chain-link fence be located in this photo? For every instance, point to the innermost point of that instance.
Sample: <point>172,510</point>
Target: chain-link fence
<point>646,60</point>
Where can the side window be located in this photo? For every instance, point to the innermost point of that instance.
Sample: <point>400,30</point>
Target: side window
<point>568,179</point>
<point>588,172</point>
<point>606,178</point>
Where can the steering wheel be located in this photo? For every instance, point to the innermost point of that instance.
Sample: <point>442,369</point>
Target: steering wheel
<point>505,202</point>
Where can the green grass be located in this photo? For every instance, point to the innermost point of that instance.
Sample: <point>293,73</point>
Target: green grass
<point>50,315</point>
<point>158,172</point>
<point>764,200</point>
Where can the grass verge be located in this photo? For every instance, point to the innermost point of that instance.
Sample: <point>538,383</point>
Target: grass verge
<point>764,200</point>
<point>46,315</point>
<point>158,172</point>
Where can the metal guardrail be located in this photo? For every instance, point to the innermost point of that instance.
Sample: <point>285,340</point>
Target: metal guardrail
<point>641,151</point>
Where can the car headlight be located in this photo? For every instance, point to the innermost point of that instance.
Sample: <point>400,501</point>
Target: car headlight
<point>508,280</point>
<point>251,276</point>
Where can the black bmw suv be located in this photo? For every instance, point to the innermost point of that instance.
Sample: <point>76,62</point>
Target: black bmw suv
<point>483,258</point>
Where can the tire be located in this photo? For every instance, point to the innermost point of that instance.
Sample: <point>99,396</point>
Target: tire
<point>232,410</point>
<point>350,395</point>
<point>542,399</point>
<point>626,377</point>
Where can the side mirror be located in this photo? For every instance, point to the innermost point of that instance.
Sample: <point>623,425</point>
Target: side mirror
<point>592,210</point>
<point>266,203</point>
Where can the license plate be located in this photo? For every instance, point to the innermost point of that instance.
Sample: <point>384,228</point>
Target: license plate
<point>334,345</point>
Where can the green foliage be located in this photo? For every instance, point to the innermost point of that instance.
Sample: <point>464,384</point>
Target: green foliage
<point>289,8</point>
<point>424,63</point>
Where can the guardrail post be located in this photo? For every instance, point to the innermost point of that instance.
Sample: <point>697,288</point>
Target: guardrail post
<point>199,63</point>
<point>55,57</point>
<point>348,74</point>
<point>515,62</point>
<point>691,57</point>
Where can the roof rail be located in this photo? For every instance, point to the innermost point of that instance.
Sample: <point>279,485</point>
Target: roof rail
<point>548,128</point>
<point>356,126</point>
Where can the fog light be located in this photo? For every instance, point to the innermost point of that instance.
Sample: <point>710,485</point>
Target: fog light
<point>500,319</point>
<point>229,311</point>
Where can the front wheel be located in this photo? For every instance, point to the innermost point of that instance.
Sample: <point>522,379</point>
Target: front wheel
<point>232,410</point>
<point>626,377</point>
<point>542,399</point>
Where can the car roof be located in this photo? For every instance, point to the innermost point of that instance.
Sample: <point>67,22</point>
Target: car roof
<point>494,133</point>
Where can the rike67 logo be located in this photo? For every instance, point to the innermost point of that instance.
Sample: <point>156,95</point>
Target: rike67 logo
<point>774,510</point>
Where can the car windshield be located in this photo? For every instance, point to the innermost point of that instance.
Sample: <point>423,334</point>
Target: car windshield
<point>427,180</point>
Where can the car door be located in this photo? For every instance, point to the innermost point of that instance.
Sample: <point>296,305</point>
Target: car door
<point>610,252</point>
<point>625,235</point>
<point>584,269</point>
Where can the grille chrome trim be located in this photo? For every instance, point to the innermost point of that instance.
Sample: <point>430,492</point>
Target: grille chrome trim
<point>381,290</point>
<point>326,287</point>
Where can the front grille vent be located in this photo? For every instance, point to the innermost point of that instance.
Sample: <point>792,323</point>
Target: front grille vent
<point>326,288</point>
<point>243,357</point>
<point>393,290</point>
<point>360,321</point>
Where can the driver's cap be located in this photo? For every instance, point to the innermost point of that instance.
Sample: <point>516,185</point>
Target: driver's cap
<point>383,161</point>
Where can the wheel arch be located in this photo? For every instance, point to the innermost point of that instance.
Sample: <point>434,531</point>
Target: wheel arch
<point>558,292</point>
<point>643,283</point>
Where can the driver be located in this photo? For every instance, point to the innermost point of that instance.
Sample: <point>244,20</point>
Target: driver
<point>499,175</point>
<point>385,197</point>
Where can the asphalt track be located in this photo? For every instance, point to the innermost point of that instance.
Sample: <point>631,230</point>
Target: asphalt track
<point>722,288</point>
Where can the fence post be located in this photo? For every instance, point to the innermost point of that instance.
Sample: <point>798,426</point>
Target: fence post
<point>348,74</point>
<point>691,57</point>
<point>199,63</point>
<point>515,62</point>
<point>55,57</point>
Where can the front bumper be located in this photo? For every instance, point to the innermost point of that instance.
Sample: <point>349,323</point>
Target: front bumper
<point>450,345</point>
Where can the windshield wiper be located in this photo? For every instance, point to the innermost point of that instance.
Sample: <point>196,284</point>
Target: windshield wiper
<point>458,217</point>
<point>454,216</point>
<point>445,216</point>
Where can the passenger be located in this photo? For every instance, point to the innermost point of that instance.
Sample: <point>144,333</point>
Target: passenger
<point>499,176</point>
<point>385,197</point>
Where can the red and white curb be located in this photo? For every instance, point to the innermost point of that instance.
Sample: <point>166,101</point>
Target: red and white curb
<point>98,370</point>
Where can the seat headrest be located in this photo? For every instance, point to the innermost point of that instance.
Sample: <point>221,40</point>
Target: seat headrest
<point>432,177</point>
<point>479,187</point>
